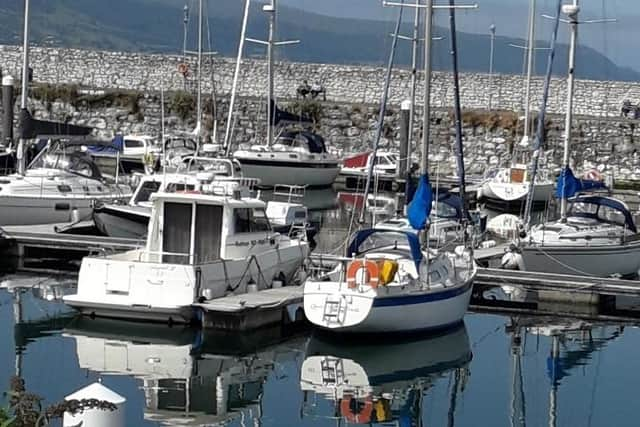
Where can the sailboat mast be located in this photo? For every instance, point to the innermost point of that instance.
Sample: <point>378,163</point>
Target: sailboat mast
<point>458,110</point>
<point>530,50</point>
<point>25,88</point>
<point>270,113</point>
<point>236,74</point>
<point>572,11</point>
<point>428,22</point>
<point>199,97</point>
<point>414,73</point>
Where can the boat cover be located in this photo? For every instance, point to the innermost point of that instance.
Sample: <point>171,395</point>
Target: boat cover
<point>568,185</point>
<point>411,240</point>
<point>609,202</point>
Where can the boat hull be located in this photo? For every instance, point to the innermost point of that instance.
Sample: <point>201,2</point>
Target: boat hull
<point>509,192</point>
<point>118,221</point>
<point>600,261</point>
<point>311,174</point>
<point>410,313</point>
<point>45,210</point>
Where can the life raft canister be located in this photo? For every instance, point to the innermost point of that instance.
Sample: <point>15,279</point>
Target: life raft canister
<point>349,409</point>
<point>371,273</point>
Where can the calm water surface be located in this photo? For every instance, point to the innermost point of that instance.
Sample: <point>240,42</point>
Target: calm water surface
<point>492,371</point>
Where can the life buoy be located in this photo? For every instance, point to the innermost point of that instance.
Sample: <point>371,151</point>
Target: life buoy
<point>183,69</point>
<point>593,175</point>
<point>354,416</point>
<point>371,274</point>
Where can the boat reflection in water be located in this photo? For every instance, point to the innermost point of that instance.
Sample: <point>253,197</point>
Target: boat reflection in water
<point>378,383</point>
<point>184,382</point>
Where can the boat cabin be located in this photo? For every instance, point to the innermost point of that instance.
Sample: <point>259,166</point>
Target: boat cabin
<point>591,210</point>
<point>193,227</point>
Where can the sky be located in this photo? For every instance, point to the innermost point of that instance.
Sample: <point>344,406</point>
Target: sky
<point>615,40</point>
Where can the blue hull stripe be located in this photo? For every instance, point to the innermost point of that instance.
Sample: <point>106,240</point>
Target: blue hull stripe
<point>422,298</point>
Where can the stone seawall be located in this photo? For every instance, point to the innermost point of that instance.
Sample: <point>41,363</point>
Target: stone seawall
<point>352,84</point>
<point>128,101</point>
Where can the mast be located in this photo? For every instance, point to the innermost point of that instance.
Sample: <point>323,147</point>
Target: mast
<point>25,88</point>
<point>572,12</point>
<point>539,137</point>
<point>426,123</point>
<point>185,21</point>
<point>530,50</point>
<point>272,24</point>
<point>414,73</point>
<point>383,109</point>
<point>492,31</point>
<point>199,97</point>
<point>236,74</point>
<point>458,113</point>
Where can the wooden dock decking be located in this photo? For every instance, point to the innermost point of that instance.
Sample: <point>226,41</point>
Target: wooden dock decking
<point>253,310</point>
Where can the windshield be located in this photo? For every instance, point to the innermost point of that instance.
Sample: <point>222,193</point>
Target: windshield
<point>70,158</point>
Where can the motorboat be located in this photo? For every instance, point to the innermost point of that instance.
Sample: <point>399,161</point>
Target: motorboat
<point>373,382</point>
<point>131,220</point>
<point>388,283</point>
<point>202,244</point>
<point>131,153</point>
<point>598,238</point>
<point>355,168</point>
<point>62,184</point>
<point>295,158</point>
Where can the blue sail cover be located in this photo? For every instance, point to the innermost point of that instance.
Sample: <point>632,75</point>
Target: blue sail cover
<point>568,185</point>
<point>117,144</point>
<point>420,207</point>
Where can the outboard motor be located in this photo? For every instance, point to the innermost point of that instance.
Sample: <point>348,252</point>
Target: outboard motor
<point>512,258</point>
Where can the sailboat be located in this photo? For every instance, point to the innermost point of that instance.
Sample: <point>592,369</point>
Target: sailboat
<point>297,157</point>
<point>387,282</point>
<point>511,184</point>
<point>61,183</point>
<point>595,235</point>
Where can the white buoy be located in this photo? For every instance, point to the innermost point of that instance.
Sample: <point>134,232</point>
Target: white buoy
<point>97,417</point>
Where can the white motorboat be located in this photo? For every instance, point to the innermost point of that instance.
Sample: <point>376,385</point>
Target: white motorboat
<point>355,168</point>
<point>512,184</point>
<point>598,238</point>
<point>62,184</point>
<point>380,382</point>
<point>295,158</point>
<point>131,220</point>
<point>387,283</point>
<point>202,244</point>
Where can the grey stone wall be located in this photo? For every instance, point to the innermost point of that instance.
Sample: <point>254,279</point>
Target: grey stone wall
<point>352,84</point>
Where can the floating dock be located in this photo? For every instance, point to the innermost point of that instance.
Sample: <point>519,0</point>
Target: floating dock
<point>253,310</point>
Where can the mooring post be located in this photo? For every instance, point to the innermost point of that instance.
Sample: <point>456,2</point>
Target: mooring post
<point>403,163</point>
<point>7,110</point>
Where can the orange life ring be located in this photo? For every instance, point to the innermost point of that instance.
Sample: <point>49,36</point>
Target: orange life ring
<point>363,416</point>
<point>183,69</point>
<point>593,175</point>
<point>372,273</point>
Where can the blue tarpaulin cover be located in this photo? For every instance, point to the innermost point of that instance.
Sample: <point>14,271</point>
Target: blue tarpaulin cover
<point>420,207</point>
<point>568,185</point>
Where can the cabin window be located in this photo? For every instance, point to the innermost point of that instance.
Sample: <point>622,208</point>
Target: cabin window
<point>208,233</point>
<point>132,143</point>
<point>147,188</point>
<point>250,220</point>
<point>176,233</point>
<point>174,187</point>
<point>64,188</point>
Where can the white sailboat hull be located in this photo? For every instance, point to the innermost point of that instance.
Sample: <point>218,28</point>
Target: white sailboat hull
<point>366,312</point>
<point>18,210</point>
<point>272,174</point>
<point>600,261</point>
<point>515,192</point>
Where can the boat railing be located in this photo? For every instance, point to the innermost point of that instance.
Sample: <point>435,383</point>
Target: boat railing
<point>289,192</point>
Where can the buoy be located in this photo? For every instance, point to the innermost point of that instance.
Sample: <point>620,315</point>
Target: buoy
<point>96,417</point>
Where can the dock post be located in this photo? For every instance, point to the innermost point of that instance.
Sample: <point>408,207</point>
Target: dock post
<point>7,110</point>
